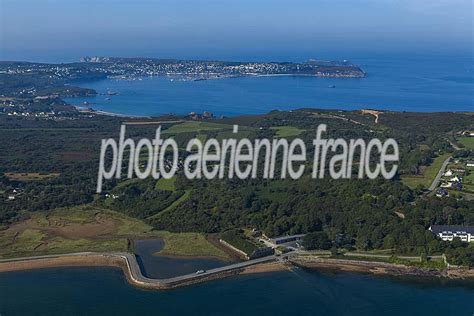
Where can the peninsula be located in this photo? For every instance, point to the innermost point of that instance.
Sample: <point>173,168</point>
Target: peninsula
<point>29,80</point>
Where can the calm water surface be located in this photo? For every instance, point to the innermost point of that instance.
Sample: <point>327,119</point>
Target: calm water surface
<point>408,84</point>
<point>160,267</point>
<point>416,84</point>
<point>102,291</point>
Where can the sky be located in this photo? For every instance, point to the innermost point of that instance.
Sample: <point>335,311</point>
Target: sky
<point>64,30</point>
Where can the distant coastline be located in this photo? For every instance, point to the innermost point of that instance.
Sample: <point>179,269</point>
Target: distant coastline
<point>390,85</point>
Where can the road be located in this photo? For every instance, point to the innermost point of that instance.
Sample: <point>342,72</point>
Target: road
<point>236,266</point>
<point>139,278</point>
<point>381,256</point>
<point>441,171</point>
<point>135,276</point>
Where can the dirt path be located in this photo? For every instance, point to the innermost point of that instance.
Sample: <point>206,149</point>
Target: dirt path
<point>453,144</point>
<point>374,113</point>
<point>330,116</point>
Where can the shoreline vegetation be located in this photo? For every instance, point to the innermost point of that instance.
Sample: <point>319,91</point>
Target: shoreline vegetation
<point>93,229</point>
<point>62,214</point>
<point>127,263</point>
<point>83,222</point>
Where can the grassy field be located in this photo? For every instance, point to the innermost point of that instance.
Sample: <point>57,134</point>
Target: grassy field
<point>195,126</point>
<point>239,241</point>
<point>189,244</point>
<point>182,198</point>
<point>468,142</point>
<point>166,184</point>
<point>36,242</point>
<point>469,178</point>
<point>468,182</point>
<point>429,174</point>
<point>30,176</point>
<point>87,228</point>
<point>287,131</point>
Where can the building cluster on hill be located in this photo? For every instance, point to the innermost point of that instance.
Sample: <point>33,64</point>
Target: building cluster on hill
<point>449,232</point>
<point>453,178</point>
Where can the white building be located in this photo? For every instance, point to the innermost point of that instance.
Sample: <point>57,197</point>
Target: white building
<point>449,232</point>
<point>470,164</point>
<point>285,240</point>
<point>455,179</point>
<point>448,173</point>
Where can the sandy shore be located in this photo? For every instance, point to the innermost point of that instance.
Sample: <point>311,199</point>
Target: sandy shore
<point>113,114</point>
<point>266,267</point>
<point>66,261</point>
<point>110,261</point>
<point>129,268</point>
<point>310,262</point>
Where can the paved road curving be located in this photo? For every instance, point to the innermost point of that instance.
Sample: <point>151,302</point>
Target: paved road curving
<point>441,171</point>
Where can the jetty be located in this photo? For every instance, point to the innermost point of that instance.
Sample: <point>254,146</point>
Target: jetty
<point>128,263</point>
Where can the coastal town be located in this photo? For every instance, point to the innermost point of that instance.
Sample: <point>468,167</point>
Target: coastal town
<point>457,173</point>
<point>134,68</point>
<point>30,80</point>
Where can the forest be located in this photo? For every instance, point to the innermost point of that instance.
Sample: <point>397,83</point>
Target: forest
<point>360,214</point>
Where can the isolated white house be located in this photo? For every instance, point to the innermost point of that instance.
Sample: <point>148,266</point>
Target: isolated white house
<point>448,173</point>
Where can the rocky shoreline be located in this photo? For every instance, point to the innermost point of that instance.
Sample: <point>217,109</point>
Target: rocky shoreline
<point>307,262</point>
<point>378,268</point>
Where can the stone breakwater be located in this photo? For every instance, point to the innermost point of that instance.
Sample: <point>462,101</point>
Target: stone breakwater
<point>128,263</point>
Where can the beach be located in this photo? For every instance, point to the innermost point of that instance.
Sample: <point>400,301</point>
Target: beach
<point>131,270</point>
<point>127,262</point>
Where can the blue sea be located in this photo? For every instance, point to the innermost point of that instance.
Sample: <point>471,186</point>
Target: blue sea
<point>161,267</point>
<point>420,84</point>
<point>415,83</point>
<point>102,291</point>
